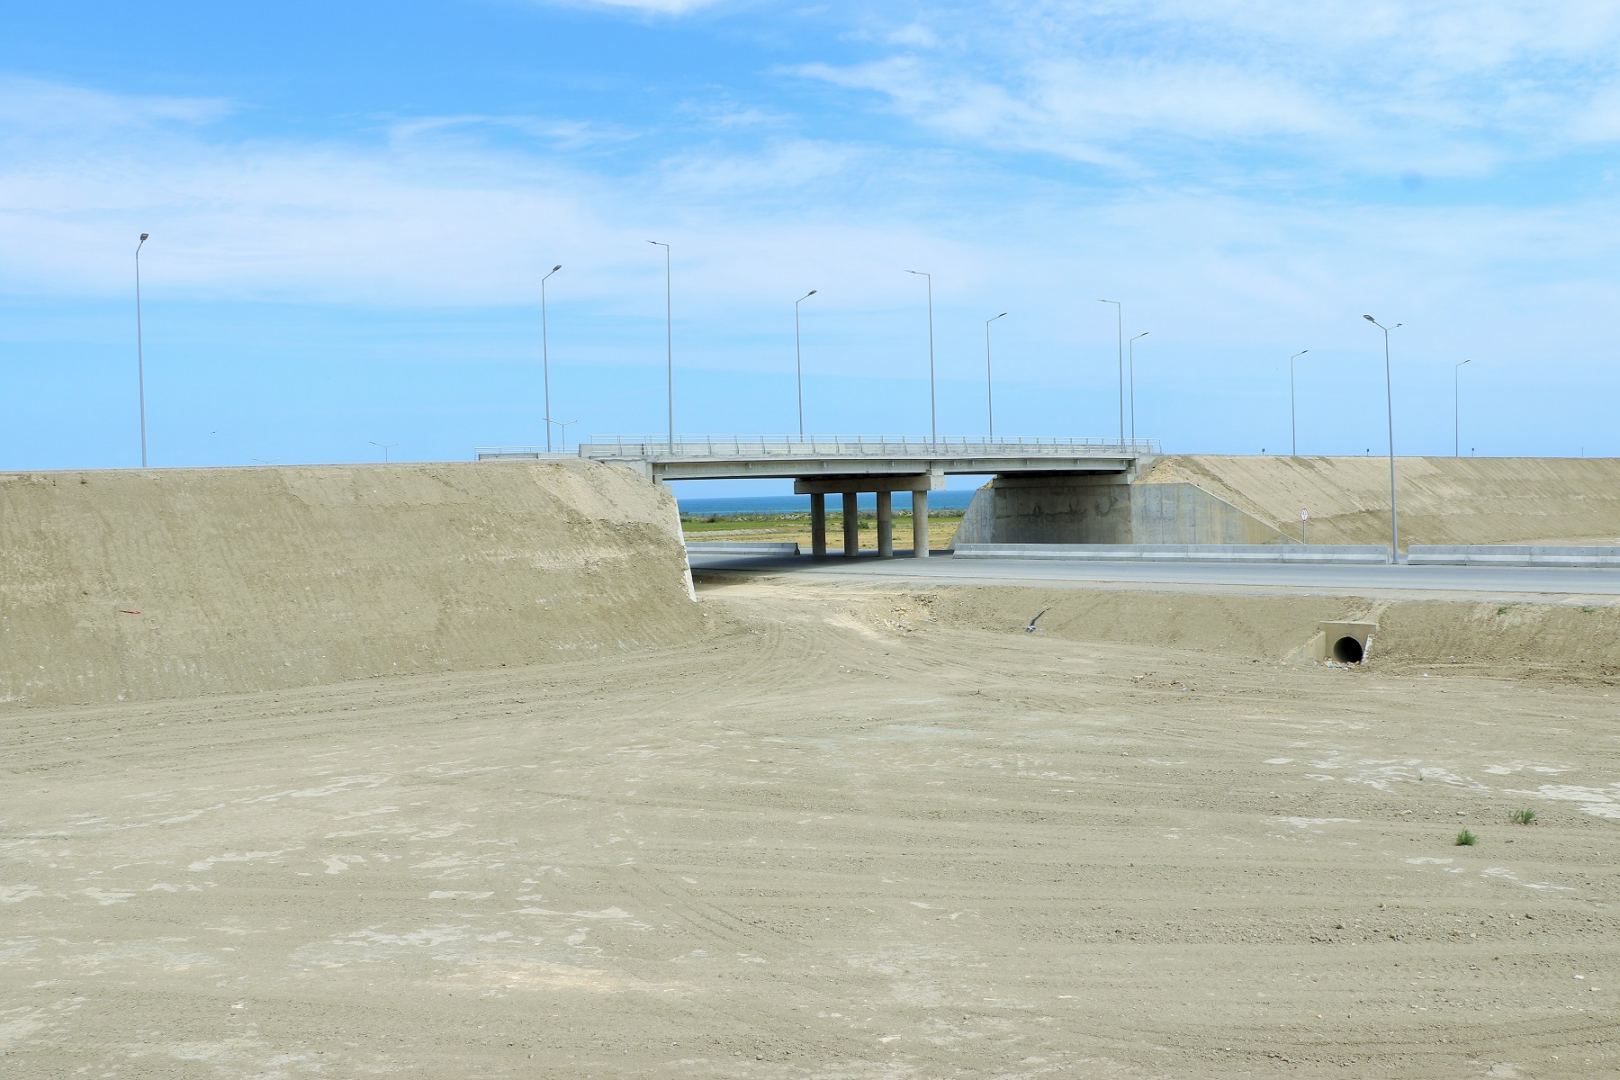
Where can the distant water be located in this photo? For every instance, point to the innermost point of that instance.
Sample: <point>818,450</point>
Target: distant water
<point>800,504</point>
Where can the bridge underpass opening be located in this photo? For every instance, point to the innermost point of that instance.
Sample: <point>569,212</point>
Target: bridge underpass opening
<point>768,511</point>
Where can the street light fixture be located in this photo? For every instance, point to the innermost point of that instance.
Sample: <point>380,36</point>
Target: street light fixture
<point>140,349</point>
<point>1133,341</point>
<point>1119,312</point>
<point>1456,408</point>
<point>669,342</point>
<point>989,397</point>
<point>798,357</point>
<point>933,407</point>
<point>564,424</point>
<point>1389,405</point>
<point>545,351</point>
<point>384,446</point>
<point>1293,426</point>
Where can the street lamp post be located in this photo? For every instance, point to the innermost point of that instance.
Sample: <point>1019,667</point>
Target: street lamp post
<point>1456,408</point>
<point>1389,405</point>
<point>1143,334</point>
<point>545,352</point>
<point>669,342</point>
<point>989,397</point>
<point>1119,312</point>
<point>1293,426</point>
<point>140,348</point>
<point>798,357</point>
<point>384,447</point>
<point>564,424</point>
<point>933,406</point>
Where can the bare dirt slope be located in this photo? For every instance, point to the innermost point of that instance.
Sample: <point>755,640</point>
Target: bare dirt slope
<point>1442,500</point>
<point>134,585</point>
<point>849,832</point>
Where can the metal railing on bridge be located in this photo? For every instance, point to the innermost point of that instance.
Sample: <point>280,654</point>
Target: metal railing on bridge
<point>661,448</point>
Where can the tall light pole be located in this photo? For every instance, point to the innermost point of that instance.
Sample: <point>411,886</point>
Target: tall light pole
<point>1293,427</point>
<point>989,397</point>
<point>1456,408</point>
<point>933,408</point>
<point>545,353</point>
<point>798,357</point>
<point>1143,334</point>
<point>669,342</point>
<point>1119,311</point>
<point>1389,402</point>
<point>140,348</point>
<point>384,447</point>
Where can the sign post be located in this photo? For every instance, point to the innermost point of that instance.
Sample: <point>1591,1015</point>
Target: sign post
<point>1304,519</point>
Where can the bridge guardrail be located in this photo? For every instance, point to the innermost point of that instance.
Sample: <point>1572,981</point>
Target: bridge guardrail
<point>687,446</point>
<point>1511,555</point>
<point>1245,553</point>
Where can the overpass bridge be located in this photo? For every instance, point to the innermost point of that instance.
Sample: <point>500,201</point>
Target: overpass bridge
<point>848,465</point>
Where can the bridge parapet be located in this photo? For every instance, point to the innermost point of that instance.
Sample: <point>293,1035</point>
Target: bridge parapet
<point>661,447</point>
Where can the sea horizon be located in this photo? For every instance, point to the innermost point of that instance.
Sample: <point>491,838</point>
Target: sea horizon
<point>800,504</point>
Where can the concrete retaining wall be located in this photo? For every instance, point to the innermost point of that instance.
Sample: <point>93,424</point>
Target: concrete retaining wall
<point>1507,555</point>
<point>725,547</point>
<point>1104,510</point>
<point>1268,553</point>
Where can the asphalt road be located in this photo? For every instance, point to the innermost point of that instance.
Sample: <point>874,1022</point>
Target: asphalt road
<point>1602,585</point>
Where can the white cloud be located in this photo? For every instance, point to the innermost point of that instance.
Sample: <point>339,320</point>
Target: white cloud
<point>646,7</point>
<point>1436,87</point>
<point>34,105</point>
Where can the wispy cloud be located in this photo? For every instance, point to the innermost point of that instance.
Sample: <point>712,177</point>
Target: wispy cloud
<point>1436,87</point>
<point>643,7</point>
<point>568,135</point>
<point>34,105</point>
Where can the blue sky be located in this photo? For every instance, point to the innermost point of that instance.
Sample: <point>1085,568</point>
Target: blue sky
<point>351,206</point>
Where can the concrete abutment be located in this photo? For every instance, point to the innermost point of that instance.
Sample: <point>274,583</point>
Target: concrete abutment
<point>1104,509</point>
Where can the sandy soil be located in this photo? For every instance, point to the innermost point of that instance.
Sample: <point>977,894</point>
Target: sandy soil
<point>134,585</point>
<point>1443,500</point>
<point>845,833</point>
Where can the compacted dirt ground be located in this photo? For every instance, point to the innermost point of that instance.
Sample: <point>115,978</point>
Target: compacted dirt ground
<point>845,833</point>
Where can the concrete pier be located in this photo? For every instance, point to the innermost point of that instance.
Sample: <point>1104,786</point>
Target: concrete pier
<point>919,524</point>
<point>818,525</point>
<point>919,484</point>
<point>885,524</point>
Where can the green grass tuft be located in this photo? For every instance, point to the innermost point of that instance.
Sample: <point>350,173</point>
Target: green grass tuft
<point>1466,839</point>
<point>1523,817</point>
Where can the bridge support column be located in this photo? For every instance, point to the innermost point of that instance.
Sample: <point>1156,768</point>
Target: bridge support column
<point>885,523</point>
<point>818,525</point>
<point>852,526</point>
<point>919,524</point>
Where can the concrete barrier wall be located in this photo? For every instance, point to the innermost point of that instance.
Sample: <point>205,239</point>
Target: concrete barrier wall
<point>1511,555</point>
<point>725,547</point>
<point>1253,553</point>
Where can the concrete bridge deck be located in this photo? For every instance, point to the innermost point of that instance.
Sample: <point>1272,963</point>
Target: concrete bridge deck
<point>847,465</point>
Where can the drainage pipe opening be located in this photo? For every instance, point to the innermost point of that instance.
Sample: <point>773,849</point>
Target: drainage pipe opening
<point>1347,650</point>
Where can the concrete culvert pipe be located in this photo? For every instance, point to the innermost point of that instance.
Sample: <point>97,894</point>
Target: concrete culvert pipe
<point>1347,650</point>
